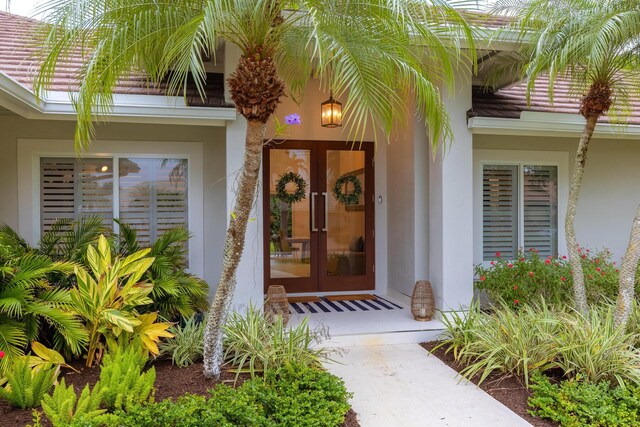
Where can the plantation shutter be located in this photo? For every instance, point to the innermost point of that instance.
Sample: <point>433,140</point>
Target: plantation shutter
<point>153,195</point>
<point>541,209</point>
<point>499,211</point>
<point>71,189</point>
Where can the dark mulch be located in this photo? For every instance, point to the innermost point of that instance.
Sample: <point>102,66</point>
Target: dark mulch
<point>510,391</point>
<point>171,382</point>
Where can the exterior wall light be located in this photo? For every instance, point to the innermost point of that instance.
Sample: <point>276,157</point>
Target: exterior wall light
<point>331,113</point>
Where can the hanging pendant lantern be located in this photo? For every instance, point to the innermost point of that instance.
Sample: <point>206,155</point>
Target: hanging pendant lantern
<point>331,113</point>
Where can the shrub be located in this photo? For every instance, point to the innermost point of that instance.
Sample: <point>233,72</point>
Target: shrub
<point>25,386</point>
<point>108,296</point>
<point>526,279</point>
<point>302,396</point>
<point>186,346</point>
<point>581,403</point>
<point>63,406</point>
<point>512,342</point>
<point>255,344</point>
<point>594,349</point>
<point>459,327</point>
<point>294,396</point>
<point>28,302</point>
<point>122,381</point>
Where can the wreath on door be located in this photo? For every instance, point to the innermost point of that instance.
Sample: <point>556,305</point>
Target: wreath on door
<point>300,192</point>
<point>351,198</point>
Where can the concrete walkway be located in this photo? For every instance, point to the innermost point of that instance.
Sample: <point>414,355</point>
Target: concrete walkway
<point>402,385</point>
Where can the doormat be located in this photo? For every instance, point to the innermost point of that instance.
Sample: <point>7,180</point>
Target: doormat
<point>345,304</point>
<point>303,299</point>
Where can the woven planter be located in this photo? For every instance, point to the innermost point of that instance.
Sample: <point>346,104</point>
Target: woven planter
<point>276,303</point>
<point>423,304</point>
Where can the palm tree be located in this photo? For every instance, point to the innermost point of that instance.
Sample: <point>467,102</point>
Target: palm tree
<point>375,53</point>
<point>591,43</point>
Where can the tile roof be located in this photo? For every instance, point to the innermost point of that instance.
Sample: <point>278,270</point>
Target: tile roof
<point>18,49</point>
<point>510,101</point>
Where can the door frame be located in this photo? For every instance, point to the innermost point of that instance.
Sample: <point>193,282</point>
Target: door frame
<point>318,282</point>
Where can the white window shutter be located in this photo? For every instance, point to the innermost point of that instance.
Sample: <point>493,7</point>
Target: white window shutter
<point>499,211</point>
<point>153,195</point>
<point>71,189</point>
<point>541,209</point>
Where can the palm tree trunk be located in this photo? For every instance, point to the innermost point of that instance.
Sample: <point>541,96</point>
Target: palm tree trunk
<point>575,260</point>
<point>234,245</point>
<point>627,280</point>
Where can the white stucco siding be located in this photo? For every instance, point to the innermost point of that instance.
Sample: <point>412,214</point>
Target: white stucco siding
<point>610,191</point>
<point>211,192</point>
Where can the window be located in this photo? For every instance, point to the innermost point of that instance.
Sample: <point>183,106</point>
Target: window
<point>519,209</point>
<point>150,194</point>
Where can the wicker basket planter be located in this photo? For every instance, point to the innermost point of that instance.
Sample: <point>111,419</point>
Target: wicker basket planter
<point>276,303</point>
<point>422,301</point>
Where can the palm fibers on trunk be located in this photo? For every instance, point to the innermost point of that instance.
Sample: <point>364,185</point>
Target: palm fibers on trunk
<point>627,280</point>
<point>256,90</point>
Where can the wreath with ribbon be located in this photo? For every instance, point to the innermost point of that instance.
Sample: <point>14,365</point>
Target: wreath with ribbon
<point>351,198</point>
<point>300,191</point>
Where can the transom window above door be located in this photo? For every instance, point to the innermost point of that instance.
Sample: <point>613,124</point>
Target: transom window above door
<point>519,210</point>
<point>149,194</point>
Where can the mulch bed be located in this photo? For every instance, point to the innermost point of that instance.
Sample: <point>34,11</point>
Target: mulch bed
<point>510,391</point>
<point>171,382</point>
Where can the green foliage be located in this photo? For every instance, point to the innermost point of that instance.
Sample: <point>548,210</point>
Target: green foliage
<point>29,303</point>
<point>511,342</point>
<point>25,386</point>
<point>175,293</point>
<point>595,349</point>
<point>295,396</point>
<point>582,403</point>
<point>255,344</point>
<point>186,346</point>
<point>63,406</point>
<point>122,382</point>
<point>526,279</point>
<point>538,338</point>
<point>298,395</point>
<point>459,327</point>
<point>107,299</point>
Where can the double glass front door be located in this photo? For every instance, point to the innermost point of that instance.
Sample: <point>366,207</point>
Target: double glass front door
<point>318,216</point>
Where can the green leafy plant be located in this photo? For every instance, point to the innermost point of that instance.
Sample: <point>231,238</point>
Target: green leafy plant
<point>186,346</point>
<point>294,396</point>
<point>108,297</point>
<point>29,303</point>
<point>581,403</point>
<point>25,386</point>
<point>122,382</point>
<point>175,293</point>
<point>512,342</point>
<point>595,349</point>
<point>459,327</point>
<point>527,278</point>
<point>255,344</point>
<point>64,406</point>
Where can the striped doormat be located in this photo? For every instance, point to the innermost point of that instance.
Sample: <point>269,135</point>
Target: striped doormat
<point>326,305</point>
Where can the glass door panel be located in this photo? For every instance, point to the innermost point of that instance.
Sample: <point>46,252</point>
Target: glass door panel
<point>289,224</point>
<point>345,213</point>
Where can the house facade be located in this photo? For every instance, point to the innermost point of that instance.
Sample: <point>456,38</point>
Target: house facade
<point>157,162</point>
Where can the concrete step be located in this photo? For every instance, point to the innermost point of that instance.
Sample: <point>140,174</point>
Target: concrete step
<point>382,338</point>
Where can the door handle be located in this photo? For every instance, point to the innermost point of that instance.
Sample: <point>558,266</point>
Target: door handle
<point>326,210</point>
<point>313,211</point>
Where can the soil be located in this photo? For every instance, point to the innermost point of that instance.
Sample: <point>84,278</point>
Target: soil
<point>508,390</point>
<point>171,382</point>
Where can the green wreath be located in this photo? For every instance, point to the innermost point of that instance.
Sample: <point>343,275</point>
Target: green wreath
<point>281,188</point>
<point>349,198</point>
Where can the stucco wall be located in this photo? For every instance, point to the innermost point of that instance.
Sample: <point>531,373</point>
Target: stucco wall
<point>610,192</point>
<point>13,128</point>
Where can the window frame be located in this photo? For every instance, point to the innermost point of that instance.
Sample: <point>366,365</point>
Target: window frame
<point>31,151</point>
<point>520,158</point>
